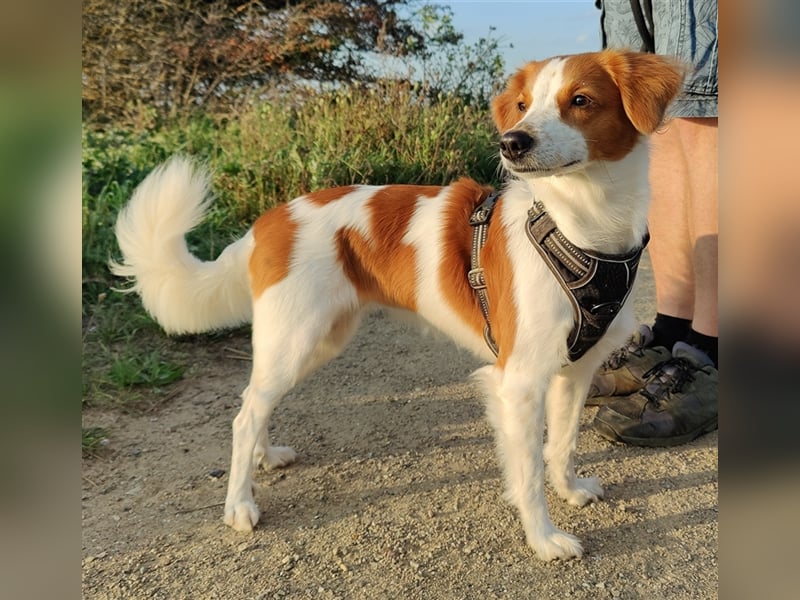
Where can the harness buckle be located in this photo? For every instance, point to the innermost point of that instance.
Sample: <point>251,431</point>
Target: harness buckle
<point>476,278</point>
<point>480,216</point>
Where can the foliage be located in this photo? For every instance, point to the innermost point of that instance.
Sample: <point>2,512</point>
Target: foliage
<point>447,65</point>
<point>147,60</point>
<point>148,370</point>
<point>92,439</point>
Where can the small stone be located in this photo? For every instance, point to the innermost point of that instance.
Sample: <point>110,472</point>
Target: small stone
<point>216,473</point>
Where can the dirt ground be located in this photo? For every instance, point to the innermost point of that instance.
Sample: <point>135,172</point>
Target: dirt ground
<point>396,493</point>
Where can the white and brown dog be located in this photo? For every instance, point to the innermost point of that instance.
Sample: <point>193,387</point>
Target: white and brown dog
<point>574,134</point>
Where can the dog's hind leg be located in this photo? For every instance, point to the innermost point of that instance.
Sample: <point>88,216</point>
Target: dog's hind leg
<point>565,399</point>
<point>327,348</point>
<point>258,401</point>
<point>284,351</point>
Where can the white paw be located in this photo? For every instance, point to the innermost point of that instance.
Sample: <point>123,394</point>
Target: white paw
<point>279,456</point>
<point>242,516</point>
<point>556,545</point>
<point>586,490</point>
<point>273,457</point>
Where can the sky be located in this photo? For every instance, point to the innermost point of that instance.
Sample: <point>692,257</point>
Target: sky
<point>536,28</point>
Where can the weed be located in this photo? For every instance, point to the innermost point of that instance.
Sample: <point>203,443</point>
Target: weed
<point>146,370</point>
<point>92,439</point>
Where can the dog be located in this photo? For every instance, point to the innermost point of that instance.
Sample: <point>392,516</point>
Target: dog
<point>574,135</point>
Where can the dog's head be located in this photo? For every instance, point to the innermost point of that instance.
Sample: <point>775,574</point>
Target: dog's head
<point>557,115</point>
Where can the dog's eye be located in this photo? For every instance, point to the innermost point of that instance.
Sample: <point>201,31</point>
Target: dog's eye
<point>581,100</point>
<point>521,107</point>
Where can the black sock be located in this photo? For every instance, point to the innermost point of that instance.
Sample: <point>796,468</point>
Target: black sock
<point>706,343</point>
<point>668,330</point>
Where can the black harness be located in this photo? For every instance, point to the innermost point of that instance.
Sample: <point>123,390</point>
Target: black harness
<point>597,285</point>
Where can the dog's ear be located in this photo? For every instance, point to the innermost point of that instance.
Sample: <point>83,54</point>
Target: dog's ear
<point>647,83</point>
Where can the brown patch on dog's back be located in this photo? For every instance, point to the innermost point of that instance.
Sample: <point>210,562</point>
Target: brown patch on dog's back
<point>382,267</point>
<point>322,197</point>
<point>274,234</point>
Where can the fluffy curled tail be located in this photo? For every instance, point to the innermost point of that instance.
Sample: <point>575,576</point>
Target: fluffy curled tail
<point>184,294</point>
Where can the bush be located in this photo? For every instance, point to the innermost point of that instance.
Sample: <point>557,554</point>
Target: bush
<point>145,62</point>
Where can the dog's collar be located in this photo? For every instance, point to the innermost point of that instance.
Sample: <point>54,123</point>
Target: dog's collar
<point>597,285</point>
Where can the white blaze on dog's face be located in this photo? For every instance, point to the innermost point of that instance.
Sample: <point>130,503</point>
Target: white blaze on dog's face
<point>558,115</point>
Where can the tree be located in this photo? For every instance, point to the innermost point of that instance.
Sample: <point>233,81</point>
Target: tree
<point>172,54</point>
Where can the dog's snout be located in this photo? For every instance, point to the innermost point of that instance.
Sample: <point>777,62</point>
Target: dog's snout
<point>515,144</point>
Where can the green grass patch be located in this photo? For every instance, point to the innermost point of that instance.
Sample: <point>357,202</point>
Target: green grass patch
<point>143,370</point>
<point>92,440</point>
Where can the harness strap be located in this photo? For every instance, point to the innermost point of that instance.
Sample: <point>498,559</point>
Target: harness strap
<point>597,285</point>
<point>480,228</point>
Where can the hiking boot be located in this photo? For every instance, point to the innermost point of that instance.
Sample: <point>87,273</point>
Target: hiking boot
<point>623,372</point>
<point>678,403</point>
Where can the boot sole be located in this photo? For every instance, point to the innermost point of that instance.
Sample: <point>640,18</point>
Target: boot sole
<point>606,431</point>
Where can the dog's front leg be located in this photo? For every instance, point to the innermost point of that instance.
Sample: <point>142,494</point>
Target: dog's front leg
<point>516,410</point>
<point>565,400</point>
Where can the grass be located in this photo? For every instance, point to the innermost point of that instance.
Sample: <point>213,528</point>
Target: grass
<point>147,370</point>
<point>266,154</point>
<point>92,439</point>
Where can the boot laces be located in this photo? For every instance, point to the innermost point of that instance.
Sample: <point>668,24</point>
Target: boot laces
<point>666,378</point>
<point>618,357</point>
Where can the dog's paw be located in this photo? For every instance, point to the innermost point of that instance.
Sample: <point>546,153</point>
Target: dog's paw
<point>556,545</point>
<point>273,457</point>
<point>279,456</point>
<point>585,490</point>
<point>242,516</point>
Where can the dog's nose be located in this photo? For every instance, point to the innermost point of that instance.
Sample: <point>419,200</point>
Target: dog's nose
<point>515,144</point>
